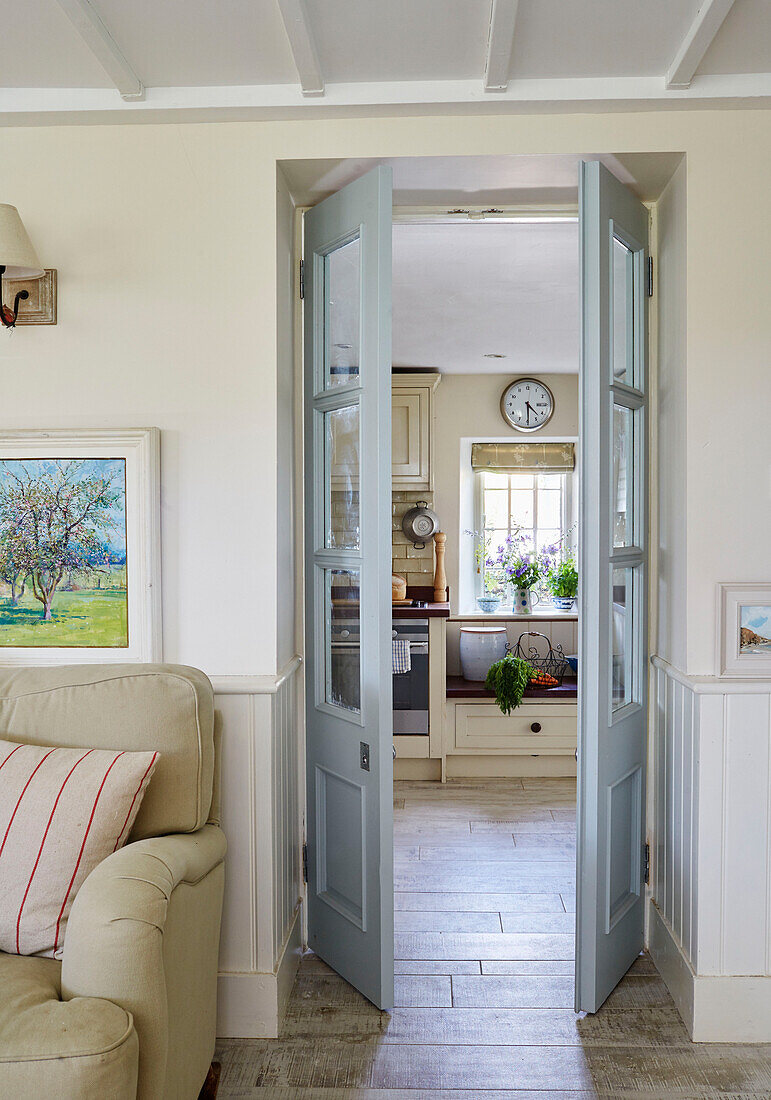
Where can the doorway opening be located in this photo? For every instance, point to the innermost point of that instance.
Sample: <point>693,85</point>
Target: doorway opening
<point>486,333</point>
<point>469,743</point>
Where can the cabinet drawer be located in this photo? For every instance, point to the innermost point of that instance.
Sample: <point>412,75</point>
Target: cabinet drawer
<point>482,727</point>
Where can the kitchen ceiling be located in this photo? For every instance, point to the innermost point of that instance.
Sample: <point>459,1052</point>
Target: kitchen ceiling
<point>503,180</point>
<point>465,291</point>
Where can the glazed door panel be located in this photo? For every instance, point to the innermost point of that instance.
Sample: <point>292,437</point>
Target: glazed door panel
<point>347,409</point>
<point>613,664</point>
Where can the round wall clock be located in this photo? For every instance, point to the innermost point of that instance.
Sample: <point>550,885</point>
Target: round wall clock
<point>527,404</point>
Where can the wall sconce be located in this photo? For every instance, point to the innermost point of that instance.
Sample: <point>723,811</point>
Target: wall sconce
<point>18,260</point>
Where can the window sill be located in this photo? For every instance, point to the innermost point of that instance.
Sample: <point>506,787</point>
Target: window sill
<point>509,615</point>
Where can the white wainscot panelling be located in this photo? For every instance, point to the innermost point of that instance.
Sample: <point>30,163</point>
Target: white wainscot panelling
<point>711,915</point>
<point>261,817</point>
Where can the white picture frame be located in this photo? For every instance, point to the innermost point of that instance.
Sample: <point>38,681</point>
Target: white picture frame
<point>744,641</point>
<point>135,453</point>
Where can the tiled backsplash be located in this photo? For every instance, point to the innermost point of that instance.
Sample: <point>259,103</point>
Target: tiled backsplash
<point>416,566</point>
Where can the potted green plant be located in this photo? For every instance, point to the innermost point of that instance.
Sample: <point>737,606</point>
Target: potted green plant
<point>562,582</point>
<point>508,678</point>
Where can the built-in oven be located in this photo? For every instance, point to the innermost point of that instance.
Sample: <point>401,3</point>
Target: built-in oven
<point>410,689</point>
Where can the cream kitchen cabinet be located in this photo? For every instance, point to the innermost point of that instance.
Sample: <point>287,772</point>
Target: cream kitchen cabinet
<point>534,729</point>
<point>412,428</point>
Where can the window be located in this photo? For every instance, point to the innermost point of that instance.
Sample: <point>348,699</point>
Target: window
<point>538,506</point>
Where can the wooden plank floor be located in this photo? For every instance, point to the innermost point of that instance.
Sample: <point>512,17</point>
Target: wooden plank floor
<point>485,903</point>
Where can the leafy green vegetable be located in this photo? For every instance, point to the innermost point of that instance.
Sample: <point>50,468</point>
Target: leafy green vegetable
<point>508,678</point>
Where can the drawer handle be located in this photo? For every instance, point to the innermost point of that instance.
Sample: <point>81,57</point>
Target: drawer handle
<point>535,727</point>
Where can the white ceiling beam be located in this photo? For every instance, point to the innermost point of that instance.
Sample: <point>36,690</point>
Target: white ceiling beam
<point>31,106</point>
<point>302,45</point>
<point>500,42</point>
<point>89,25</point>
<point>709,19</point>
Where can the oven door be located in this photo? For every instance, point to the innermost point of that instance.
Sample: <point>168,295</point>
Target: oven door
<point>410,689</point>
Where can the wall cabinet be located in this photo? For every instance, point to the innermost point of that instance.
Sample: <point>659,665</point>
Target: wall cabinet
<point>412,428</point>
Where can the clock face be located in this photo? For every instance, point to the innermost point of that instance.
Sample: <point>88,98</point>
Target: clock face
<point>527,404</point>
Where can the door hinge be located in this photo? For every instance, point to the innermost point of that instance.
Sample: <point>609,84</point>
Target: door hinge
<point>649,280</point>
<point>302,279</point>
<point>647,876</point>
<point>305,862</point>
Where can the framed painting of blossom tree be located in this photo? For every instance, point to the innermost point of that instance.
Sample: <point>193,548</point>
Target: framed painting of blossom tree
<point>79,546</point>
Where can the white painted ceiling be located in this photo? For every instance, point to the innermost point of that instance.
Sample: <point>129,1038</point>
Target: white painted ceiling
<point>61,59</point>
<point>463,291</point>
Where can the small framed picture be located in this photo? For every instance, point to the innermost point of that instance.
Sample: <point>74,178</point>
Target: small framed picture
<point>80,546</point>
<point>744,630</point>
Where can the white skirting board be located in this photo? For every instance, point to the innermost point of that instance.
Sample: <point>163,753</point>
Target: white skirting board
<point>715,1009</point>
<point>505,767</point>
<point>484,767</point>
<point>252,1005</point>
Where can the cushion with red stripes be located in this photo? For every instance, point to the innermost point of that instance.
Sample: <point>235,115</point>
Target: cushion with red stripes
<point>62,811</point>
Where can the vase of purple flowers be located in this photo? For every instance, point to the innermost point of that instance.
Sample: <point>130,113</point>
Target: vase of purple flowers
<point>519,565</point>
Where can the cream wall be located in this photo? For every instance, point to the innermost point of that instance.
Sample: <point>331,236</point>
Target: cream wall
<point>167,317</point>
<point>286,529</point>
<point>165,240</point>
<point>671,422</point>
<point>467,408</point>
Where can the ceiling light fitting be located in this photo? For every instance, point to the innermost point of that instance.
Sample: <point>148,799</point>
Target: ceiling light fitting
<point>18,260</point>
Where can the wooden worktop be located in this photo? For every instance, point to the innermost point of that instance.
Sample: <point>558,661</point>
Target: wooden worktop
<point>458,688</point>
<point>432,610</point>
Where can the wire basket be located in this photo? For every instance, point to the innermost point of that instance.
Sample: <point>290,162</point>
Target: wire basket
<point>553,662</point>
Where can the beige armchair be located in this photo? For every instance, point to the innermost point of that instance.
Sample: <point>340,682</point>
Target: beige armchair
<point>130,1011</point>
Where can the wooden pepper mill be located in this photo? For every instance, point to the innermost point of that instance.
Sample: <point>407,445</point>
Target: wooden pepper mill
<point>440,577</point>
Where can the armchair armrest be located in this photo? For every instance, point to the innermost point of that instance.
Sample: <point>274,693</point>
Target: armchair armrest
<point>114,943</point>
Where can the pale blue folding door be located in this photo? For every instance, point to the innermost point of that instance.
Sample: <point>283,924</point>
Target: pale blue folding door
<point>614,578</point>
<point>347,414</point>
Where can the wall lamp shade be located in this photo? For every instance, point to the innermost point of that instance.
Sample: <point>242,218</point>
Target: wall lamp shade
<point>16,252</point>
<point>18,259</point>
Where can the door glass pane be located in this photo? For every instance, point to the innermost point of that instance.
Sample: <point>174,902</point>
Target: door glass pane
<point>622,637</point>
<point>342,292</point>
<point>623,313</point>
<point>342,664</point>
<point>622,486</point>
<point>341,478</point>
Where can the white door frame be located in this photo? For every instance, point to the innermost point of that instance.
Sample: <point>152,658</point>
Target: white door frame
<point>441,214</point>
